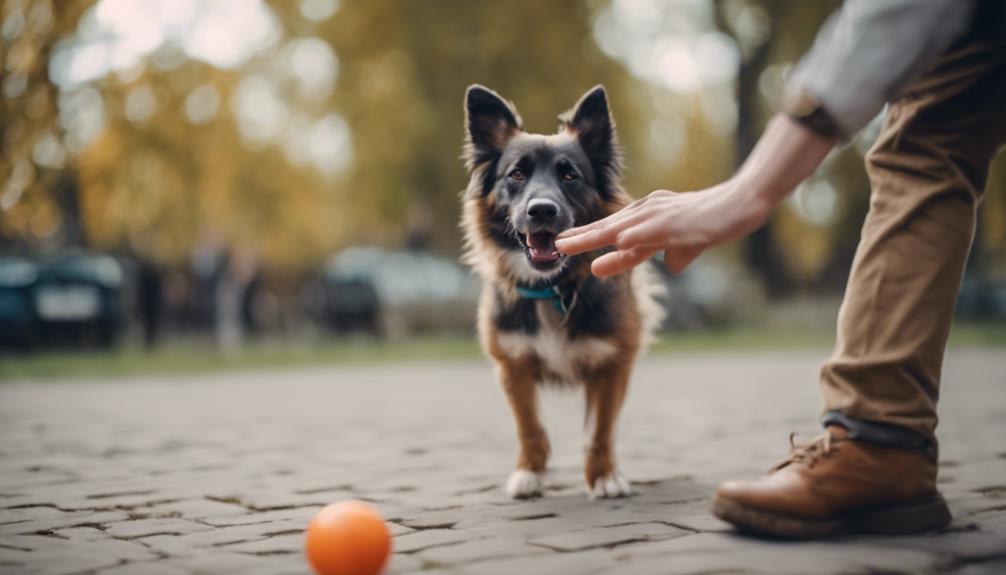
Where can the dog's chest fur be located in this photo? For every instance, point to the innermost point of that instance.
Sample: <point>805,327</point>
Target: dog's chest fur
<point>564,345</point>
<point>561,357</point>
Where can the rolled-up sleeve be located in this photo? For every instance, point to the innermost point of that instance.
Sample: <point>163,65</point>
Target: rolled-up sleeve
<point>870,50</point>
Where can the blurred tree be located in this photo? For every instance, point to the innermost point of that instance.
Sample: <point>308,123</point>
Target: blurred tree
<point>161,185</point>
<point>38,192</point>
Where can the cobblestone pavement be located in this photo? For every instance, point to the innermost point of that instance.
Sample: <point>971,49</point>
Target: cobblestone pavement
<point>220,473</point>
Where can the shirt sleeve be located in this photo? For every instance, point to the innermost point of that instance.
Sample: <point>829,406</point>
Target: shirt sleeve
<point>870,50</point>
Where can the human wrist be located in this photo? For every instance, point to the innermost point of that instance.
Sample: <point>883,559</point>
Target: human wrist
<point>748,201</point>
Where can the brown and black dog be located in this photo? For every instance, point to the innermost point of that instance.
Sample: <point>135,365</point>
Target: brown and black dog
<point>542,316</point>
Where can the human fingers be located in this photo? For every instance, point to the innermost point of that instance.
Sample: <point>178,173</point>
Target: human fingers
<point>602,234</point>
<point>621,261</point>
<point>625,212</point>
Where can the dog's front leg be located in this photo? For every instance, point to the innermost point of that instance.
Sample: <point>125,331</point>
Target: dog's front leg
<point>518,378</point>
<point>605,389</point>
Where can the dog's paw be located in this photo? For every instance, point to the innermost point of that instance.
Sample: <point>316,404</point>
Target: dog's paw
<point>524,484</point>
<point>610,485</point>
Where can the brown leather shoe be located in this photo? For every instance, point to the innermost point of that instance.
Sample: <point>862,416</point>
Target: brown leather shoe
<point>837,485</point>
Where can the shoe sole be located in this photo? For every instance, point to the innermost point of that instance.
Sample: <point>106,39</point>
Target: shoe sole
<point>925,515</point>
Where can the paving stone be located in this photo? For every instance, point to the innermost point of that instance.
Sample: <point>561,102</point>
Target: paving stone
<point>198,509</point>
<point>950,548</point>
<point>699,522</point>
<point>83,534</point>
<point>67,561</point>
<point>227,562</point>
<point>581,563</point>
<point>717,552</point>
<point>435,520</point>
<point>529,528</point>
<point>62,556</point>
<point>269,500</point>
<point>403,564</point>
<point>302,514</point>
<point>687,564</point>
<point>10,557</point>
<point>63,520</point>
<point>481,550</point>
<point>395,529</point>
<point>157,526</point>
<point>198,542</point>
<point>412,542</point>
<point>56,541</point>
<point>157,567</point>
<point>609,536</point>
<point>282,544</point>
<point>993,522</point>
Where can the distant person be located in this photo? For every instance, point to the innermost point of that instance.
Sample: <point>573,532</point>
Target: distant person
<point>151,300</point>
<point>251,298</point>
<point>941,67</point>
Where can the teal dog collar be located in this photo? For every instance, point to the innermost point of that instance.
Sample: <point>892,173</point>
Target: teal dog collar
<point>547,293</point>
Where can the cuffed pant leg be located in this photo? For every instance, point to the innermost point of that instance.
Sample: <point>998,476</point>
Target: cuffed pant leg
<point>927,173</point>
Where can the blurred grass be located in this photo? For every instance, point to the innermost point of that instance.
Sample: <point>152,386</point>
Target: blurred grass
<point>192,357</point>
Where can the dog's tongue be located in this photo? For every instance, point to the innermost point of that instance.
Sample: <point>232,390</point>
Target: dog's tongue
<point>542,247</point>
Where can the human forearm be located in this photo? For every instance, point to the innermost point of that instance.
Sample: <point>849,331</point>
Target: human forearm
<point>786,154</point>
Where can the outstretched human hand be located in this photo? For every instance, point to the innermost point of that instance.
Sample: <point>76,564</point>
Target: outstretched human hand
<point>683,225</point>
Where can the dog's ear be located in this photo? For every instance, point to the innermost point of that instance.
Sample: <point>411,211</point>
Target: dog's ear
<point>591,121</point>
<point>490,122</point>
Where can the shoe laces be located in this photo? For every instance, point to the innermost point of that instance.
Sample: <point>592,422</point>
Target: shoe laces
<point>810,452</point>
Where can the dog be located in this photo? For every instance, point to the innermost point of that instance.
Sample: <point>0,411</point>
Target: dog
<point>542,317</point>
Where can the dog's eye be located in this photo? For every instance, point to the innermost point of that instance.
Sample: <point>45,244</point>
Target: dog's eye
<point>517,175</point>
<point>568,176</point>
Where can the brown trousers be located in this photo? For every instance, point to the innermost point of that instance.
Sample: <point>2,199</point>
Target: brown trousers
<point>927,171</point>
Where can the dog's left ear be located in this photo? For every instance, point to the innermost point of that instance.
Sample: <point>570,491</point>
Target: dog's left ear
<point>591,121</point>
<point>490,122</point>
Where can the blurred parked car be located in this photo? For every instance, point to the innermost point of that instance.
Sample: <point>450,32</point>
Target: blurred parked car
<point>71,297</point>
<point>982,300</point>
<point>396,292</point>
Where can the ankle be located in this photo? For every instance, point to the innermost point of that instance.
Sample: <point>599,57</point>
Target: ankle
<point>879,434</point>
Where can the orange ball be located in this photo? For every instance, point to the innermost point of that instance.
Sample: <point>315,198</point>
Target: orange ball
<point>347,538</point>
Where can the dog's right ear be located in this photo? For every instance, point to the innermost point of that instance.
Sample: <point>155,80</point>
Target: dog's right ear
<point>490,122</point>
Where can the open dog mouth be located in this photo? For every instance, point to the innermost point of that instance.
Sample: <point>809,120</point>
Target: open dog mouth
<point>541,250</point>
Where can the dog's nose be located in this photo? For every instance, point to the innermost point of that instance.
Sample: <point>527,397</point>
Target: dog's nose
<point>542,210</point>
